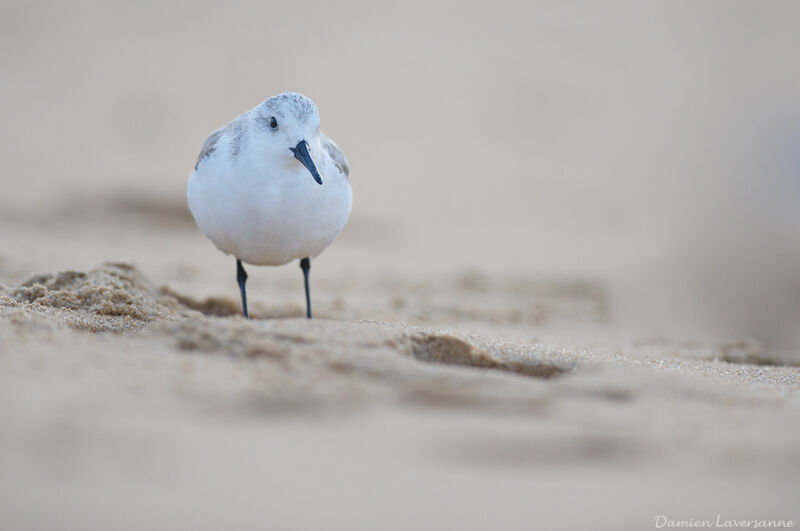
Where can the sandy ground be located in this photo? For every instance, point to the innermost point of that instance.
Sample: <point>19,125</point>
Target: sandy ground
<point>566,298</point>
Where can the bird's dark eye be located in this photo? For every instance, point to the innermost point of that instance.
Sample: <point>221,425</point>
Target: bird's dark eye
<point>273,123</point>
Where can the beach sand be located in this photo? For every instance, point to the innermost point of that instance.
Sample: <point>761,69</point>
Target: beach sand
<point>557,305</point>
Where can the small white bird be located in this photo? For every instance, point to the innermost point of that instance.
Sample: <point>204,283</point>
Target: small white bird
<point>270,188</point>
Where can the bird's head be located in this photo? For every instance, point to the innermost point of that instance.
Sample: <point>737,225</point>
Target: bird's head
<point>290,123</point>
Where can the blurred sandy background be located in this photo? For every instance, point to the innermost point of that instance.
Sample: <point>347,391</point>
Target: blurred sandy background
<point>608,190</point>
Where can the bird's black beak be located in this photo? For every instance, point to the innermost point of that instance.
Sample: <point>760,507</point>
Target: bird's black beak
<point>301,153</point>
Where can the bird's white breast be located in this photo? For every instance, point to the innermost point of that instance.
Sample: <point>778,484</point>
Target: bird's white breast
<point>268,214</point>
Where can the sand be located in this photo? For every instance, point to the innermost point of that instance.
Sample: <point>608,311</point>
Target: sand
<point>130,405</point>
<point>566,297</point>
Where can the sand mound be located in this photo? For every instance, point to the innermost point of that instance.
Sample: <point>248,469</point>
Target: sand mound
<point>379,349</point>
<point>114,297</point>
<point>437,348</point>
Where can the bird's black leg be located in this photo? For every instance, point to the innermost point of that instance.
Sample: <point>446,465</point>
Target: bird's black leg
<point>241,276</point>
<point>305,265</point>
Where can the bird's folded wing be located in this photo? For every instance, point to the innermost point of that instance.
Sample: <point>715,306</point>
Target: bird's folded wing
<point>335,153</point>
<point>209,145</point>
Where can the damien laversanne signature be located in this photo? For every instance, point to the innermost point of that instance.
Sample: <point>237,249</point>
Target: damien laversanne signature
<point>663,521</point>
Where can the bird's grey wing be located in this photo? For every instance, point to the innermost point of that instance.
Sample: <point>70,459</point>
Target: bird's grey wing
<point>336,154</point>
<point>209,145</point>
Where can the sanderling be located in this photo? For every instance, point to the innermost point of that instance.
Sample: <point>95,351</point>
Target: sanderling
<point>269,187</point>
